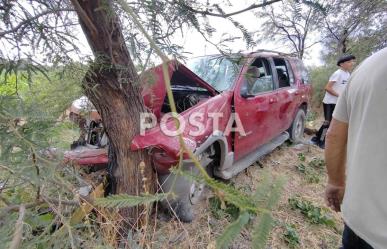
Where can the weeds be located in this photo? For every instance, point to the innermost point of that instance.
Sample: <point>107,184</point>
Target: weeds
<point>301,157</point>
<point>225,210</point>
<point>311,116</point>
<point>291,236</point>
<point>317,163</point>
<point>313,170</point>
<point>315,214</point>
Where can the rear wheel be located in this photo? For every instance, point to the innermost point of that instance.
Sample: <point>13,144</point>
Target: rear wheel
<point>296,130</point>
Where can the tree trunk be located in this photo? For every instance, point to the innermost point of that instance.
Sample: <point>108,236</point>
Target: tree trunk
<point>342,43</point>
<point>112,86</point>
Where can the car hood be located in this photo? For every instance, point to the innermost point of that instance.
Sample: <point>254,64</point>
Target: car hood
<point>154,88</point>
<point>154,137</point>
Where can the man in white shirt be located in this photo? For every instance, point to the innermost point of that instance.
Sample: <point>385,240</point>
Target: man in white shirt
<point>334,88</point>
<point>356,156</point>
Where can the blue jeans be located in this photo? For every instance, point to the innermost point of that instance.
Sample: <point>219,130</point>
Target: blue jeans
<point>352,241</point>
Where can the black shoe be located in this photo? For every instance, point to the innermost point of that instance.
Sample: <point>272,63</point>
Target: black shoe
<point>322,145</point>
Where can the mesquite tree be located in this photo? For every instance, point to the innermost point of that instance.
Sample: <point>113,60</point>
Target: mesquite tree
<point>112,84</point>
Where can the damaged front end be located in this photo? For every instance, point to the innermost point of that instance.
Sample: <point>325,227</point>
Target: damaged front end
<point>191,94</point>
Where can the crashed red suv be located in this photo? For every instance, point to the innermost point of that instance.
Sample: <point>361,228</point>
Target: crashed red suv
<point>234,109</point>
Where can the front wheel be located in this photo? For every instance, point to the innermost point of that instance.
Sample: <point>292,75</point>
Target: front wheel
<point>187,193</point>
<point>296,130</point>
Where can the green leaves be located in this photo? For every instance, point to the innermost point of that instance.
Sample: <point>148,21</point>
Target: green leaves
<point>262,228</point>
<point>313,170</point>
<point>232,231</point>
<point>291,236</point>
<point>314,214</point>
<point>123,200</point>
<point>258,206</point>
<point>261,231</point>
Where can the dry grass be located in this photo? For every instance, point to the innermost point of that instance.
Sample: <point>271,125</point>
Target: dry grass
<point>205,229</point>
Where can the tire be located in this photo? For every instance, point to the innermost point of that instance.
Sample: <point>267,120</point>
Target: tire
<point>187,192</point>
<point>296,130</point>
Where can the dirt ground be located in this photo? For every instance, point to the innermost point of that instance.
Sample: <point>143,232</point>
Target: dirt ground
<point>283,161</point>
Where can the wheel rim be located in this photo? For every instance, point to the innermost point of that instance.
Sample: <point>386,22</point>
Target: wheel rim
<point>299,129</point>
<point>195,192</point>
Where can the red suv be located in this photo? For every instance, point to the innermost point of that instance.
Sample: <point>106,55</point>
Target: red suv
<point>232,110</point>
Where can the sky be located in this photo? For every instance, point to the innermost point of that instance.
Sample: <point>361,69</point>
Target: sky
<point>196,45</point>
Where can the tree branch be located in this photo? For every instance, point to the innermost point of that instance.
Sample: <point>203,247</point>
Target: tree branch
<point>85,18</point>
<point>330,30</point>
<point>18,234</point>
<point>31,19</point>
<point>225,15</point>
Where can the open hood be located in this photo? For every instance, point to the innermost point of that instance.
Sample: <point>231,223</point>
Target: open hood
<point>153,84</point>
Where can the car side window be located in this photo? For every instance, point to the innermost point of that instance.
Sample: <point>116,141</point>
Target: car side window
<point>284,73</point>
<point>258,78</point>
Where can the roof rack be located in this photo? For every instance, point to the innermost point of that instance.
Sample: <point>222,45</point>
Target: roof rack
<point>272,51</point>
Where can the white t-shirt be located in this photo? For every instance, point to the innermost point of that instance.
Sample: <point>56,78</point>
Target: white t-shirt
<point>340,77</point>
<point>363,105</point>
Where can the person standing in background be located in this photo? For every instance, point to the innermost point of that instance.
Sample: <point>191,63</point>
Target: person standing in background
<point>333,89</point>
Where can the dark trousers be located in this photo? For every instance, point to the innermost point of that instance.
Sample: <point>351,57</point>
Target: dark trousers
<point>320,135</point>
<point>352,241</point>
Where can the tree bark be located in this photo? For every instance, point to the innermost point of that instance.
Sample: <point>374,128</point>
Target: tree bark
<point>112,85</point>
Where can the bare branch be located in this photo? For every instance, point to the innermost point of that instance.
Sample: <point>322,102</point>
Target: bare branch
<point>18,234</point>
<point>31,19</point>
<point>225,15</point>
<point>330,30</point>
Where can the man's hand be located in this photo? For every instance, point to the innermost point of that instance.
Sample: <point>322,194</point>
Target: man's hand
<point>334,196</point>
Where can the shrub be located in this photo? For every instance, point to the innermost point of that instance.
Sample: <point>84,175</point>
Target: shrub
<point>314,214</point>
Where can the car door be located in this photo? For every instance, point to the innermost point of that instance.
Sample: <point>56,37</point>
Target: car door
<point>254,101</point>
<point>287,93</point>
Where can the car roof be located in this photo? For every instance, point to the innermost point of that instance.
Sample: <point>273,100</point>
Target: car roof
<point>260,52</point>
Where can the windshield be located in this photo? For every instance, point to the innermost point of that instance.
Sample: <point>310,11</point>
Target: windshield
<point>219,71</point>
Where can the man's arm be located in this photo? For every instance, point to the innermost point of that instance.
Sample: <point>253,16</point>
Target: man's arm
<point>335,158</point>
<point>335,152</point>
<point>329,88</point>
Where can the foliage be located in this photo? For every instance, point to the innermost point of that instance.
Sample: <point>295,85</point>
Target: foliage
<point>232,231</point>
<point>291,236</point>
<point>293,23</point>
<point>301,157</point>
<point>347,21</point>
<point>317,163</point>
<point>314,214</point>
<point>311,116</point>
<point>260,205</point>
<point>123,200</point>
<point>261,231</point>
<point>319,77</point>
<point>313,170</point>
<point>30,170</point>
<point>311,175</point>
<point>221,209</point>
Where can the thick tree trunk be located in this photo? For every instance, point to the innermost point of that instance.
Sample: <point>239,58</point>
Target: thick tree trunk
<point>112,86</point>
